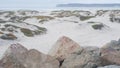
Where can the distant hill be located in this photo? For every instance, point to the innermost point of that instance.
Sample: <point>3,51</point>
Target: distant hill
<point>87,5</point>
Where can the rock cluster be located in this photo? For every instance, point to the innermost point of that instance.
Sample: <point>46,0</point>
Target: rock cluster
<point>110,66</point>
<point>110,53</point>
<point>86,57</point>
<point>64,54</point>
<point>18,56</point>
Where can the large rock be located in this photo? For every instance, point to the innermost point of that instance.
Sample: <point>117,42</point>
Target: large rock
<point>88,58</point>
<point>18,56</point>
<point>36,59</point>
<point>63,48</point>
<point>110,53</point>
<point>110,66</point>
<point>14,57</point>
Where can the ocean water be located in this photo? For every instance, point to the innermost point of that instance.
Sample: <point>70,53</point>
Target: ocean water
<point>62,8</point>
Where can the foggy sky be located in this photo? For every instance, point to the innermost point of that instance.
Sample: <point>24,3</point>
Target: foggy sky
<point>46,3</point>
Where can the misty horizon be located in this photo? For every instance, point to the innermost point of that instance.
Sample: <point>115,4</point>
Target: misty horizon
<point>48,3</point>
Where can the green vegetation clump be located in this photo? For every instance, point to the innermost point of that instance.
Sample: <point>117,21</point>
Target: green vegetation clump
<point>2,29</point>
<point>43,20</point>
<point>27,32</point>
<point>26,17</point>
<point>10,25</point>
<point>31,33</point>
<point>111,19</point>
<point>8,37</point>
<point>9,28</point>
<point>83,18</point>
<point>65,14</point>
<point>40,30</point>
<point>2,21</point>
<point>91,22</point>
<point>98,26</point>
<point>43,17</point>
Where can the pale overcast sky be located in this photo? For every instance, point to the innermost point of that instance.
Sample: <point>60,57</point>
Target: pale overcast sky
<point>46,3</point>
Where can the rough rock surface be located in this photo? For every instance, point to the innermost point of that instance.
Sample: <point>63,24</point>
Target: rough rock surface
<point>18,56</point>
<point>110,53</point>
<point>88,58</point>
<point>63,48</point>
<point>110,66</point>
